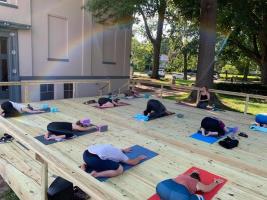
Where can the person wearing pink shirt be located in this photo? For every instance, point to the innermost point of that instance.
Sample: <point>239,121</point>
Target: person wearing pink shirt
<point>184,187</point>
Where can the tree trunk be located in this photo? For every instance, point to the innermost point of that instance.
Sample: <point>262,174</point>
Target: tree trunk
<point>156,60</point>
<point>263,41</point>
<point>185,65</point>
<point>157,41</point>
<point>246,72</point>
<point>207,43</point>
<point>264,67</point>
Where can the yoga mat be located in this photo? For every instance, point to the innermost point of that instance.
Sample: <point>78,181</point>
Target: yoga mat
<point>194,106</point>
<point>209,139</point>
<point>143,118</point>
<point>206,178</point>
<point>121,104</point>
<point>76,134</point>
<point>136,151</point>
<point>258,128</point>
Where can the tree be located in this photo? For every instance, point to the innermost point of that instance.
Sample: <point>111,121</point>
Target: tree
<point>249,29</point>
<point>118,11</point>
<point>141,55</point>
<point>183,39</point>
<point>203,14</point>
<point>207,41</point>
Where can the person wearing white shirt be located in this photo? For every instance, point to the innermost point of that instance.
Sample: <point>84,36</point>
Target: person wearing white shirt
<point>103,160</point>
<point>12,109</point>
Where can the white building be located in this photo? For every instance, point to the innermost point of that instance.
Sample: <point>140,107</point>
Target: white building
<point>57,39</point>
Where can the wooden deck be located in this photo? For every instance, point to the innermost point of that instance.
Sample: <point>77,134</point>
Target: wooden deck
<point>245,167</point>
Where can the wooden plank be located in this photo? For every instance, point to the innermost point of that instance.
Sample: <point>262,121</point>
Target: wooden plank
<point>244,167</point>
<point>83,180</point>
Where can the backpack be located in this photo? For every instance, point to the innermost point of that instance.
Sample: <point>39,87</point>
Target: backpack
<point>229,143</point>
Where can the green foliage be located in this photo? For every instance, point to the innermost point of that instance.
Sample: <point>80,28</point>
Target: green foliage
<point>230,69</point>
<point>141,55</point>
<point>10,195</point>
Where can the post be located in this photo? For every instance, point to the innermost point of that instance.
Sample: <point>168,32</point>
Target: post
<point>128,85</point>
<point>161,90</point>
<point>109,86</point>
<point>246,104</point>
<point>44,178</point>
<point>73,90</point>
<point>198,93</point>
<point>26,93</point>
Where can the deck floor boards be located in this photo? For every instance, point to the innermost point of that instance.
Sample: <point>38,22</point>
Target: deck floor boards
<point>244,167</point>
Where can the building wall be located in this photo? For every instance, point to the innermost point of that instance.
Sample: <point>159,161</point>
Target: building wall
<point>65,43</point>
<point>20,13</point>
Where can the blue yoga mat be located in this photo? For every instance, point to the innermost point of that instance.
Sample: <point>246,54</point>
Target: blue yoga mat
<point>76,133</point>
<point>258,128</point>
<point>136,151</point>
<point>210,139</point>
<point>141,117</point>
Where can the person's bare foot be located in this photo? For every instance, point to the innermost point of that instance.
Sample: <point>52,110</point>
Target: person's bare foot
<point>83,167</point>
<point>94,174</point>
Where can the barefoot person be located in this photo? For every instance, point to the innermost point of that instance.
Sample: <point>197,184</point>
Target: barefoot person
<point>12,109</point>
<point>64,130</point>
<point>103,160</point>
<point>203,98</point>
<point>212,126</point>
<point>184,187</point>
<point>131,93</point>
<point>104,102</point>
<point>155,109</point>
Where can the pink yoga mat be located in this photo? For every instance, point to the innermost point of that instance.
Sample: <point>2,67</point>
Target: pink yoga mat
<point>206,178</point>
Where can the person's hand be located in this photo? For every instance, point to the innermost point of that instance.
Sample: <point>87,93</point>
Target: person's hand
<point>127,150</point>
<point>218,181</point>
<point>142,157</point>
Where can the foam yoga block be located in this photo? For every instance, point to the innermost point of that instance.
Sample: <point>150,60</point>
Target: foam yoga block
<point>261,118</point>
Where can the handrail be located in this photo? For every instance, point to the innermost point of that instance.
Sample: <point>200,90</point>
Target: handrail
<point>239,94</point>
<point>66,168</point>
<point>26,84</point>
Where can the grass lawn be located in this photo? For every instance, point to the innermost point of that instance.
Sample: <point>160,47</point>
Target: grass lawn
<point>231,103</point>
<point>238,104</point>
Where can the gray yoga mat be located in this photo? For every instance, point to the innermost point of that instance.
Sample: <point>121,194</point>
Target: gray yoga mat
<point>76,134</point>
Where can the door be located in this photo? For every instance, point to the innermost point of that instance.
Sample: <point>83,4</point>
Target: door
<point>4,94</point>
<point>9,65</point>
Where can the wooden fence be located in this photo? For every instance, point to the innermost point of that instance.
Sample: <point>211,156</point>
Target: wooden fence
<point>247,97</point>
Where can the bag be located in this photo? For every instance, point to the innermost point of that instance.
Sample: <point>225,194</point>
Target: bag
<point>229,143</point>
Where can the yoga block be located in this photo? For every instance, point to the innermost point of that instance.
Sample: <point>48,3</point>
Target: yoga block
<point>103,128</point>
<point>45,106</point>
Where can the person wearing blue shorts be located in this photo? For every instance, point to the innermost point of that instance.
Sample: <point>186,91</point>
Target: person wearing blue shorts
<point>104,160</point>
<point>184,187</point>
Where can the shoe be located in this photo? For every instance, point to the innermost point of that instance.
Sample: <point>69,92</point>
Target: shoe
<point>242,134</point>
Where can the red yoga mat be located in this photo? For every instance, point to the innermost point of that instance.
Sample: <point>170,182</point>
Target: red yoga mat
<point>206,178</point>
<point>121,104</point>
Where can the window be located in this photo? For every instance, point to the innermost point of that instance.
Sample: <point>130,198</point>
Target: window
<point>109,46</point>
<point>68,90</point>
<point>46,92</point>
<point>57,38</point>
<point>9,3</point>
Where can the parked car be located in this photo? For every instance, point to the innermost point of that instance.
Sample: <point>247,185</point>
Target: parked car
<point>176,75</point>
<point>161,73</point>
